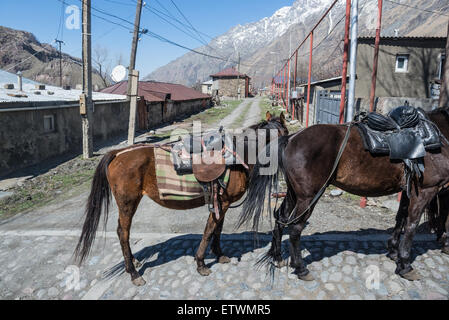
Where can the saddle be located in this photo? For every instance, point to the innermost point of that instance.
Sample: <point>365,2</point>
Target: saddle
<point>207,157</point>
<point>405,134</point>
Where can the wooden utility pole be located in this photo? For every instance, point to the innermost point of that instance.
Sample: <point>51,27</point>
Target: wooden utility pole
<point>132,76</point>
<point>86,97</point>
<point>444,89</point>
<point>238,80</point>
<point>60,42</point>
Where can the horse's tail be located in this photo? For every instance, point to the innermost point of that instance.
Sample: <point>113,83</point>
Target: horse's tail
<point>100,195</point>
<point>261,184</point>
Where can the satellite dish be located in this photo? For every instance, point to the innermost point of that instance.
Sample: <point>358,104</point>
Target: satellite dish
<point>118,73</point>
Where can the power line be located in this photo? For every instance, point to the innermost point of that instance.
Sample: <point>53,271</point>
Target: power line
<point>185,18</point>
<point>420,9</point>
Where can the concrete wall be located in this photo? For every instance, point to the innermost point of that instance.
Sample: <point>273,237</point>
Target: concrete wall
<point>423,66</point>
<point>24,141</point>
<point>163,112</point>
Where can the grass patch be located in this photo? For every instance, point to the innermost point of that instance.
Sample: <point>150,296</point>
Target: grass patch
<point>66,179</point>
<point>215,114</point>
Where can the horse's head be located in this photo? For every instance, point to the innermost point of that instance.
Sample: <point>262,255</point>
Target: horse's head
<point>273,122</point>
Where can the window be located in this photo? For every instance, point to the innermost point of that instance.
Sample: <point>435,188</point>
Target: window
<point>49,123</point>
<point>402,63</point>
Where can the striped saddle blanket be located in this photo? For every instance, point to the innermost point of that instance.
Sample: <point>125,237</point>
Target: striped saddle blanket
<point>172,186</point>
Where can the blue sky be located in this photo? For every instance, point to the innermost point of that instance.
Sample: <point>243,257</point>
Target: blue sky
<point>212,17</point>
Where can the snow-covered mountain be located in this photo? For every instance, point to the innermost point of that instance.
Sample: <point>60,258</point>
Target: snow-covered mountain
<point>264,43</point>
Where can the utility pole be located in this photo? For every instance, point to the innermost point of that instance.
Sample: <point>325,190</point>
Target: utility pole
<point>238,80</point>
<point>86,97</point>
<point>131,74</point>
<point>60,42</point>
<point>352,60</point>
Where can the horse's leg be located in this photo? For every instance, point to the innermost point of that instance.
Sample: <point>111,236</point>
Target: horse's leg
<point>201,252</point>
<point>215,245</point>
<point>126,213</point>
<point>416,208</point>
<point>401,216</point>
<point>276,245</point>
<point>295,246</point>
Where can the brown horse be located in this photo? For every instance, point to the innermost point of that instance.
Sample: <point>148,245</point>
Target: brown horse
<point>130,175</point>
<point>437,210</point>
<point>307,160</point>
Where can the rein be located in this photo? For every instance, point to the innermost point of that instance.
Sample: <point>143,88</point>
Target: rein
<point>323,188</point>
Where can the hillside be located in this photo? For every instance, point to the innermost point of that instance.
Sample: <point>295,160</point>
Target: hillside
<point>21,51</point>
<point>257,41</point>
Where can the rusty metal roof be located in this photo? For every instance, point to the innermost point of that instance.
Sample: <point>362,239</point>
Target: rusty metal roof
<point>229,72</point>
<point>157,91</point>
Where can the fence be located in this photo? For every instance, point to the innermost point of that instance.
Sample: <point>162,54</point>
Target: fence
<point>321,57</point>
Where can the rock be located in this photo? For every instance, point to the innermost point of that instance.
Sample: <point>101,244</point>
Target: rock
<point>335,277</point>
<point>53,292</point>
<point>336,192</point>
<point>336,260</point>
<point>351,260</point>
<point>329,286</point>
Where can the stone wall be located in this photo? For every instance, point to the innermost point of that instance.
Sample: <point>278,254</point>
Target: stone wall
<point>229,87</point>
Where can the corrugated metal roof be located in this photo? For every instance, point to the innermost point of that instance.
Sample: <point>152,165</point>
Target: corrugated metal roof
<point>369,37</point>
<point>229,72</point>
<point>50,94</point>
<point>157,91</point>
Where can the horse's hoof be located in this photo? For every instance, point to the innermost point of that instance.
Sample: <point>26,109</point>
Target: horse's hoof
<point>445,250</point>
<point>204,271</point>
<point>136,263</point>
<point>280,264</point>
<point>307,277</point>
<point>393,256</point>
<point>411,275</point>
<point>139,281</point>
<point>224,259</point>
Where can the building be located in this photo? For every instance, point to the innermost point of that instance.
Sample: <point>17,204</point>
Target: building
<point>40,122</point>
<point>409,69</point>
<point>231,83</point>
<point>407,66</point>
<point>162,102</point>
<point>206,87</point>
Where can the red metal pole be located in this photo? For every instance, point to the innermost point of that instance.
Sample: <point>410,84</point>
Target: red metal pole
<point>283,87</point>
<point>345,62</point>
<point>288,86</point>
<point>308,79</point>
<point>294,81</point>
<point>376,55</point>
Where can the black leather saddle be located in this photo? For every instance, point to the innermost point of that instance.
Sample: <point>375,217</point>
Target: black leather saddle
<point>406,133</point>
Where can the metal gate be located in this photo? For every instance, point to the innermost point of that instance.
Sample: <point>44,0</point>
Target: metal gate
<point>328,106</point>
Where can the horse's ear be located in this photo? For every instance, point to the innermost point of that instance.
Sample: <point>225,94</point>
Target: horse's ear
<point>282,117</point>
<point>268,115</point>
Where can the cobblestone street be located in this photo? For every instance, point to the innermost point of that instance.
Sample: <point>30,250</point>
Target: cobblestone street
<point>37,266</point>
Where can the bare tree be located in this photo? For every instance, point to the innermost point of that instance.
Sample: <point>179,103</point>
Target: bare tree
<point>102,64</point>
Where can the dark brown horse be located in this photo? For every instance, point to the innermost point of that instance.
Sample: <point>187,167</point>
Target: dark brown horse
<point>129,174</point>
<point>307,159</point>
<point>437,210</point>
